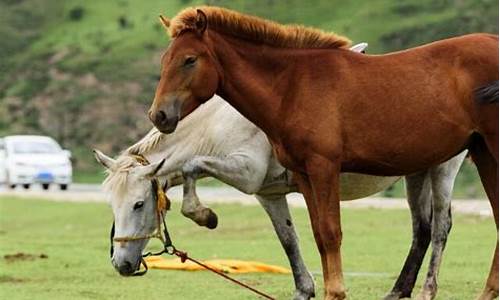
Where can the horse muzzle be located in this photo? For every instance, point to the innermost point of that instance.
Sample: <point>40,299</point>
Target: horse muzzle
<point>166,114</point>
<point>163,122</point>
<point>127,268</point>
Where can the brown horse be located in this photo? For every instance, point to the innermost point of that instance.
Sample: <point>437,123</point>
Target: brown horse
<point>326,109</point>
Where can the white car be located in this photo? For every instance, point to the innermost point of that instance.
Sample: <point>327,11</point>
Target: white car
<point>30,159</point>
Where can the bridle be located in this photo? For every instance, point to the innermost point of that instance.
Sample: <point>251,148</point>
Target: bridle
<point>162,206</point>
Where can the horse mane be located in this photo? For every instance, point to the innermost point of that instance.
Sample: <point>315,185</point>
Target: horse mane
<point>147,143</point>
<point>116,179</point>
<point>257,29</point>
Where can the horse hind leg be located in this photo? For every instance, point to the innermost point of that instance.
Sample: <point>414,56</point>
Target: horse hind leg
<point>487,165</point>
<point>442,178</point>
<point>419,194</point>
<point>276,207</point>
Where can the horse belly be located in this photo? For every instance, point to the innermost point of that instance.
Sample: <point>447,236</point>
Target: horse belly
<point>406,156</point>
<point>356,186</point>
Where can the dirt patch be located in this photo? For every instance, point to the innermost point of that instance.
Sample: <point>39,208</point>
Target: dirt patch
<point>20,256</point>
<point>10,279</point>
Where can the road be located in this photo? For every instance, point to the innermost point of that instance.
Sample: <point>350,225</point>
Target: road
<point>226,194</point>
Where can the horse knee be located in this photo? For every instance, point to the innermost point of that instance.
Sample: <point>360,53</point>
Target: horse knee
<point>332,238</point>
<point>191,168</point>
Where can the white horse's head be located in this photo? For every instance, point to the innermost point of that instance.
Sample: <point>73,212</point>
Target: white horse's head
<point>131,190</point>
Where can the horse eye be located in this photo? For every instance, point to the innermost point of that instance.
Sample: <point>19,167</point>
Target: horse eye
<point>190,60</point>
<point>138,205</point>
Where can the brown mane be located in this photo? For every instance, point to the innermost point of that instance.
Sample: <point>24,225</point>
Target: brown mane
<point>257,29</point>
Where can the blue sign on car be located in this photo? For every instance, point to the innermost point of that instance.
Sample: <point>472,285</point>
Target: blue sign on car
<point>45,177</point>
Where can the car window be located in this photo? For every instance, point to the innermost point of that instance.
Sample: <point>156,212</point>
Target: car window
<point>35,147</point>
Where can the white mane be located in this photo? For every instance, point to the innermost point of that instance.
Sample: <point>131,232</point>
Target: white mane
<point>116,179</point>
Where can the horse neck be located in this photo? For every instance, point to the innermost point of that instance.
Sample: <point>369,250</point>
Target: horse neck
<point>258,91</point>
<point>188,140</point>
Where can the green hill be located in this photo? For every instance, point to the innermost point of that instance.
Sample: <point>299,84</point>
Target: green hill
<point>85,72</point>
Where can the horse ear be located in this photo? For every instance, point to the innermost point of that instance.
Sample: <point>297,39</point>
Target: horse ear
<point>165,22</point>
<point>201,22</point>
<point>361,47</point>
<point>104,160</point>
<point>150,171</point>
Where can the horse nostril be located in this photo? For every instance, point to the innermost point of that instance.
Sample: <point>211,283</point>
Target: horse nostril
<point>126,269</point>
<point>128,265</point>
<point>160,117</point>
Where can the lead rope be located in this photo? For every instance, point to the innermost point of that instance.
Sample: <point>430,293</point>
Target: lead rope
<point>169,249</point>
<point>184,256</point>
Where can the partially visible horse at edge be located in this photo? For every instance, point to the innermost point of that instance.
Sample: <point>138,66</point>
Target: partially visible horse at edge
<point>327,110</point>
<point>217,141</point>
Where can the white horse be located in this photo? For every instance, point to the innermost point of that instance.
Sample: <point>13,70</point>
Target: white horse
<point>217,141</point>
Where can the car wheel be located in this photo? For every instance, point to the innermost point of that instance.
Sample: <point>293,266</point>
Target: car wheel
<point>26,186</point>
<point>12,186</point>
<point>63,187</point>
<point>45,186</point>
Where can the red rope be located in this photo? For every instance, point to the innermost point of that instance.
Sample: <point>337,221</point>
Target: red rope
<point>184,256</point>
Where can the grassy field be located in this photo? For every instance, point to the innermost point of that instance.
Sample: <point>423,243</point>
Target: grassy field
<point>74,236</point>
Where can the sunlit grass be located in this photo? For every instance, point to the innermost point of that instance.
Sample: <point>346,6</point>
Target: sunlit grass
<point>75,238</point>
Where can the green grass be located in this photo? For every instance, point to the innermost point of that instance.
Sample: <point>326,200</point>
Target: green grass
<point>75,238</point>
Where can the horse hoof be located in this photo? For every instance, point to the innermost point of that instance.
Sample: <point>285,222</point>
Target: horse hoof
<point>341,295</point>
<point>212,220</point>
<point>299,295</point>
<point>392,296</point>
<point>306,290</point>
<point>425,295</point>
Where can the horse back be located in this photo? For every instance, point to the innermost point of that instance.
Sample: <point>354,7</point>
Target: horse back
<point>406,100</point>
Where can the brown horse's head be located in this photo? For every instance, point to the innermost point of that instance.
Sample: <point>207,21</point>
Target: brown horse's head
<point>189,74</point>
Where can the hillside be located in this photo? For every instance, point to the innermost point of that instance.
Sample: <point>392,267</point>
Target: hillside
<point>85,72</point>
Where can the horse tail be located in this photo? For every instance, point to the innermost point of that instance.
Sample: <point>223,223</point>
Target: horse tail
<point>487,94</point>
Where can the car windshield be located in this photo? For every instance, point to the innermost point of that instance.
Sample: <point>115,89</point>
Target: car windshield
<point>38,147</point>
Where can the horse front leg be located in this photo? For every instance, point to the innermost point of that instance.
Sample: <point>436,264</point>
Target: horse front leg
<point>324,209</point>
<point>237,171</point>
<point>276,207</point>
<point>191,205</point>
